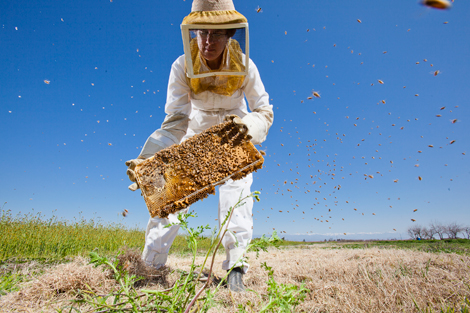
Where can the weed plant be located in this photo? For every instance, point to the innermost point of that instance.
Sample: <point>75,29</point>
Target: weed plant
<point>186,293</point>
<point>280,297</point>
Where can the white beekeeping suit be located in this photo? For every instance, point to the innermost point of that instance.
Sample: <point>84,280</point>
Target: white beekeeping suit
<point>198,97</point>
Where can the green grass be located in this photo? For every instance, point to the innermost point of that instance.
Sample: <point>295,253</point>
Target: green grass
<point>33,237</point>
<point>9,282</point>
<point>458,246</point>
<point>286,243</point>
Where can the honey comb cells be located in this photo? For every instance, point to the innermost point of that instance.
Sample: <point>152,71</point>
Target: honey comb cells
<point>180,175</point>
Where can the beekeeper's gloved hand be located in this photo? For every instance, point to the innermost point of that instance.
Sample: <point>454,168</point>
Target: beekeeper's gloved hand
<point>131,164</point>
<point>241,125</point>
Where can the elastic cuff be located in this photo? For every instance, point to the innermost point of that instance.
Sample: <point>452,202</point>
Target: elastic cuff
<point>154,259</point>
<point>232,255</point>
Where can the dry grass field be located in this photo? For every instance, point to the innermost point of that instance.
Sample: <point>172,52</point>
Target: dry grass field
<point>339,280</point>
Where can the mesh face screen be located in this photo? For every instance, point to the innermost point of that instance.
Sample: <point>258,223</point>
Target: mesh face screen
<point>180,175</point>
<point>213,50</point>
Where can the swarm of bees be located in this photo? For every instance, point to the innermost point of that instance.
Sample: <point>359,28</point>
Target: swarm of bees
<point>220,160</point>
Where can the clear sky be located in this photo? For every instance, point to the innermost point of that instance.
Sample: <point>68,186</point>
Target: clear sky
<point>84,83</point>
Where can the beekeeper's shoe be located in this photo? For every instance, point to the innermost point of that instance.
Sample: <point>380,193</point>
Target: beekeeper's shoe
<point>235,280</point>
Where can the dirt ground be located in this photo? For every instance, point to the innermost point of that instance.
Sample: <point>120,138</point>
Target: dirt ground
<point>339,280</point>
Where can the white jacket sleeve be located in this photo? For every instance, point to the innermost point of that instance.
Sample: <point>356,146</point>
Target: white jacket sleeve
<point>177,109</point>
<point>261,117</point>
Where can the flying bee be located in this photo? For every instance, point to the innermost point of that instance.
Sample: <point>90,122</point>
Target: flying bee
<point>259,10</point>
<point>125,212</point>
<point>436,72</point>
<point>47,81</point>
<point>359,21</point>
<point>437,4</point>
<point>380,82</point>
<point>413,220</point>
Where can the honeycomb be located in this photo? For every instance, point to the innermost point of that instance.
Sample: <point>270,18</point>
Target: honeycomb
<point>180,175</point>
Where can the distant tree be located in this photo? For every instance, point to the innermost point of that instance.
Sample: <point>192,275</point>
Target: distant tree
<point>431,231</point>
<point>438,229</point>
<point>415,231</point>
<point>427,234</point>
<point>466,230</point>
<point>453,229</point>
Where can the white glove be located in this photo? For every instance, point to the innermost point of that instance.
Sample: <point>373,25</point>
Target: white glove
<point>243,127</point>
<point>131,164</point>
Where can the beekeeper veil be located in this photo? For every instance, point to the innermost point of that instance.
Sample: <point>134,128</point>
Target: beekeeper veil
<point>215,39</point>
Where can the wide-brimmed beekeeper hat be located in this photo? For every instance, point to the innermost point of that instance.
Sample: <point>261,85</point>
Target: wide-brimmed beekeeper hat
<point>216,15</point>
<point>214,12</point>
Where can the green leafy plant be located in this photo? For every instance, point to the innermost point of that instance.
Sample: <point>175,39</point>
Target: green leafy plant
<point>282,297</point>
<point>9,282</point>
<point>185,294</point>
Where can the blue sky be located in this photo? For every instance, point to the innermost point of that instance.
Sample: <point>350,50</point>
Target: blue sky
<point>107,63</point>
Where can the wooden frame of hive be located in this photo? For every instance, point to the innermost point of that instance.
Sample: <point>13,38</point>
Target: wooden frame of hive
<point>180,175</point>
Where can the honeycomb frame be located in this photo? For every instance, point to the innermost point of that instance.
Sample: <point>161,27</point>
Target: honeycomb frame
<point>180,175</point>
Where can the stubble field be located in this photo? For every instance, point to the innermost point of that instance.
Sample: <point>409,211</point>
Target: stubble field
<point>338,280</point>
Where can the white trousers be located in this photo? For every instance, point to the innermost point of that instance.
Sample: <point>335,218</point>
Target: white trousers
<point>158,239</point>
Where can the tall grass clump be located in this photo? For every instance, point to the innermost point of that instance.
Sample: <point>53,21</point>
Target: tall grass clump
<point>32,236</point>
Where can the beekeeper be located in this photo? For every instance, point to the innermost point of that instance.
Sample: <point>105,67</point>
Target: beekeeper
<point>208,85</point>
